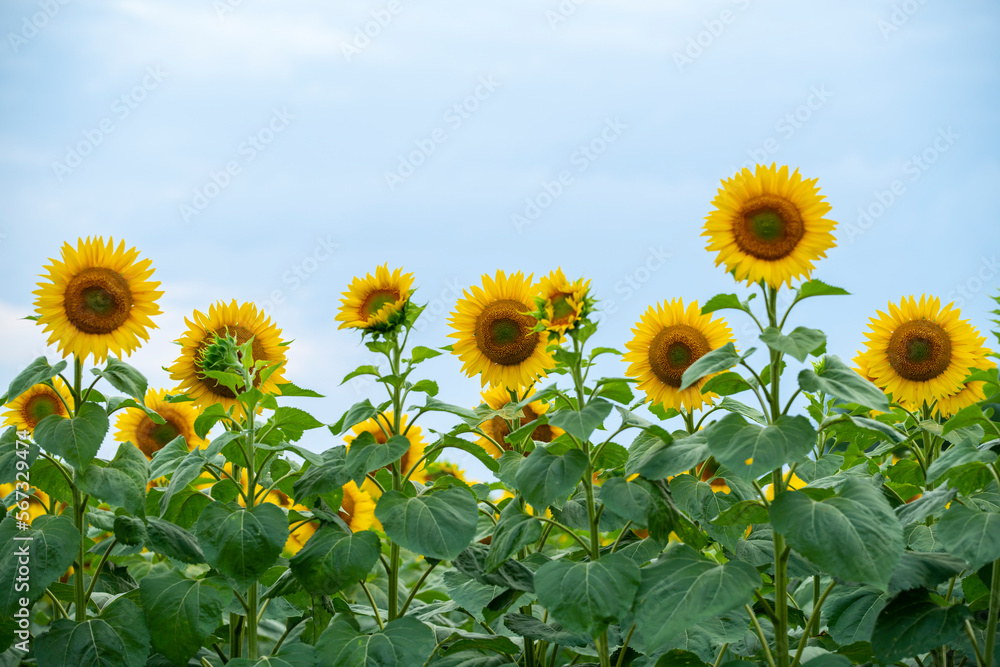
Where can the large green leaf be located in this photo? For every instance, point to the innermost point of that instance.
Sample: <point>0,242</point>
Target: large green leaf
<point>733,441</point>
<point>631,500</point>
<point>358,413</point>
<point>683,588</point>
<point>924,570</point>
<point>546,479</point>
<point>405,642</point>
<point>76,440</point>
<point>182,612</point>
<point>184,473</point>
<point>835,378</point>
<point>36,372</point>
<point>799,344</point>
<point>587,596</point>
<point>439,524</point>
<point>92,643</point>
<point>123,377</point>
<point>929,504</point>
<point>717,360</point>
<point>126,619</point>
<point>293,422</point>
<point>581,424</point>
<point>653,458</point>
<point>242,543</point>
<point>171,540</point>
<point>853,535</point>
<point>851,612</point>
<point>122,482</point>
<point>328,477</point>
<point>514,530</point>
<point>367,454</point>
<point>333,559</point>
<point>289,655</point>
<point>913,624</point>
<point>530,627</point>
<point>970,534</point>
<point>956,455</point>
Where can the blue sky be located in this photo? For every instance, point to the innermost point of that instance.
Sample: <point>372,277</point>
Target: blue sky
<point>260,151</point>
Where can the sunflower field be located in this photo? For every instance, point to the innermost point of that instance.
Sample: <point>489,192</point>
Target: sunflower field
<point>848,514</point>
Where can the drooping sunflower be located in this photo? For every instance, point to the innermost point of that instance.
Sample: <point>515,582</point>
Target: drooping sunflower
<point>769,225</point>
<point>498,428</point>
<point>562,302</point>
<point>357,509</point>
<point>379,426</point>
<point>135,426</point>
<point>240,321</point>
<point>493,327</point>
<point>37,403</point>
<point>98,299</point>
<point>667,340</point>
<point>921,352</point>
<point>375,302</point>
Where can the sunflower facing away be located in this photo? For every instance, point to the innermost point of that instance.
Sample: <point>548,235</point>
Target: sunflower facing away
<point>769,225</point>
<point>97,300</point>
<point>37,403</point>
<point>920,352</point>
<point>498,428</point>
<point>709,472</point>
<point>240,321</point>
<point>375,426</point>
<point>135,426</point>
<point>562,302</point>
<point>667,340</point>
<point>493,328</point>
<point>375,302</point>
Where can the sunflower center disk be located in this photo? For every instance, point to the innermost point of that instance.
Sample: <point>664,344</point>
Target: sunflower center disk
<point>919,350</point>
<point>39,407</point>
<point>769,228</point>
<point>562,309</point>
<point>503,333</point>
<point>674,349</point>
<point>153,437</point>
<point>98,300</point>
<point>374,301</point>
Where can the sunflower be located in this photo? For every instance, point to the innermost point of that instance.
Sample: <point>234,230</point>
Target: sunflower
<point>498,428</point>
<point>438,469</point>
<point>495,334</point>
<point>792,482</point>
<point>667,340</point>
<point>97,300</point>
<point>357,509</point>
<point>921,352</point>
<point>970,394</point>
<point>710,473</point>
<point>241,321</point>
<point>562,302</point>
<point>375,302</point>
<point>37,403</point>
<point>769,225</point>
<point>380,425</point>
<point>135,426</point>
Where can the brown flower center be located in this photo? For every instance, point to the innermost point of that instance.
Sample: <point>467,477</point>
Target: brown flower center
<point>769,227</point>
<point>919,350</point>
<point>40,406</point>
<point>503,333</point>
<point>153,437</point>
<point>242,335</point>
<point>674,349</point>
<point>97,300</point>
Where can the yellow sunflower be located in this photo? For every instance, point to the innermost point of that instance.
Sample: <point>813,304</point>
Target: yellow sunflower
<point>792,482</point>
<point>38,502</point>
<point>498,428</point>
<point>97,300</point>
<point>37,403</point>
<point>135,426</point>
<point>970,394</point>
<point>769,225</point>
<point>493,326</point>
<point>375,302</point>
<point>439,469</point>
<point>379,426</point>
<point>667,340</point>
<point>563,302</point>
<point>241,321</point>
<point>358,508</point>
<point>921,352</point>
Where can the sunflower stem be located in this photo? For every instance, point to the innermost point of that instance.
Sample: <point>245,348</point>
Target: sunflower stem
<point>991,621</point>
<point>394,356</point>
<point>251,501</point>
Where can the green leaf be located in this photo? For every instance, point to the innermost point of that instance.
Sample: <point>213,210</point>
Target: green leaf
<point>851,613</point>
<point>429,387</point>
<point>654,459</point>
<point>913,624</point>
<point>818,288</point>
<point>291,389</point>
<point>328,477</point>
<point>92,643</point>
<point>853,535</point>
<point>836,378</point>
<point>358,413</point>
<point>11,453</point>
<point>682,588</point>
<point>76,440</point>
<point>333,559</point>
<point>958,455</point>
<point>123,377</point>
<point>181,612</point>
<point>799,344</point>
<point>405,642</point>
<point>289,655</point>
<point>171,540</point>
<point>512,574</point>
<point>455,442</point>
<point>924,570</point>
<point>421,353</point>
<point>581,424</point>
<point>720,359</point>
<point>126,619</point>
<point>37,371</point>
<point>513,531</point>
<point>530,627</point>
<point>186,472</point>
<point>726,384</point>
<point>742,514</point>
<point>130,530</point>
<point>631,500</point>
<point>588,596</point>
<point>359,371</point>
<point>209,417</point>
<point>546,479</point>
<point>122,482</point>
<point>726,302</point>
<point>242,543</point>
<point>367,454</point>
<point>116,403</point>
<point>439,524</point>
<point>293,422</point>
<point>970,534</point>
<point>732,441</point>
<point>166,460</point>
<point>929,504</point>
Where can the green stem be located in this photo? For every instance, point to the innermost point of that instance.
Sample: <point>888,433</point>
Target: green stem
<point>780,599</point>
<point>252,594</point>
<point>97,572</point>
<point>371,601</point>
<point>980,660</point>
<point>416,587</point>
<point>812,622</point>
<point>991,622</point>
<point>760,635</point>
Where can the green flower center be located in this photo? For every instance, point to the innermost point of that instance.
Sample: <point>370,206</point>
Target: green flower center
<point>40,406</point>
<point>374,301</point>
